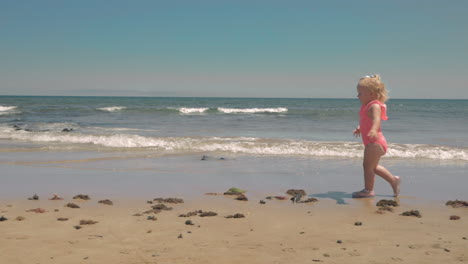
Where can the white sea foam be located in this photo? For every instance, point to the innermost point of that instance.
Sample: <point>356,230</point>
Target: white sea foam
<point>112,108</point>
<point>252,110</point>
<point>186,110</point>
<point>126,129</point>
<point>5,110</point>
<point>255,146</point>
<point>427,152</point>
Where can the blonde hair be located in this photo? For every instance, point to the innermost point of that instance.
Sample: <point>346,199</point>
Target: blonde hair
<point>375,86</point>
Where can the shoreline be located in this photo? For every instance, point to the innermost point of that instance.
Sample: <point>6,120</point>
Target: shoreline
<point>122,175</point>
<point>275,232</point>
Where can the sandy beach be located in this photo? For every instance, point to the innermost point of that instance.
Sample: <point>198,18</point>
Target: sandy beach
<point>277,231</point>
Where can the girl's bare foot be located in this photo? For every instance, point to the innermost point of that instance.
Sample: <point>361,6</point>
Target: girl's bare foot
<point>363,194</point>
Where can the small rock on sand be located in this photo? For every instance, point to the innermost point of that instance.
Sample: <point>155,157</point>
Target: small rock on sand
<point>88,222</point>
<point>72,205</point>
<point>457,203</point>
<point>293,192</point>
<point>384,202</point>
<point>20,218</point>
<point>234,191</point>
<point>412,213</point>
<point>81,196</point>
<point>169,200</point>
<point>454,217</point>
<point>56,197</point>
<point>106,201</point>
<point>238,215</point>
<point>62,219</point>
<point>161,207</point>
<point>189,214</point>
<point>241,197</point>
<point>384,209</point>
<point>37,210</point>
<point>34,197</point>
<point>204,214</point>
<point>2,218</point>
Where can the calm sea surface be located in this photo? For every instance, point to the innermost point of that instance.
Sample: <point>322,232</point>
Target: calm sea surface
<point>416,129</point>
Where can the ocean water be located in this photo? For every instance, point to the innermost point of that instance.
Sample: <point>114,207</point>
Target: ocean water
<point>416,129</point>
<point>123,145</point>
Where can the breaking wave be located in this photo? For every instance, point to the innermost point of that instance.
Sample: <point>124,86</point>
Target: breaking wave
<point>112,108</point>
<point>239,145</point>
<point>187,110</point>
<point>252,110</point>
<point>6,110</point>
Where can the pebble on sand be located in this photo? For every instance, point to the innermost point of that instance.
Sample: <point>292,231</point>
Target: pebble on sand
<point>384,202</point>
<point>209,213</point>
<point>81,196</point>
<point>168,200</point>
<point>234,191</point>
<point>106,201</point>
<point>412,213</point>
<point>454,217</point>
<point>457,203</point>
<point>88,222</point>
<point>56,197</point>
<point>37,210</point>
<point>293,192</point>
<point>161,207</point>
<point>72,205</point>
<point>189,214</point>
<point>34,197</point>
<point>238,215</point>
<point>241,197</point>
<point>151,217</point>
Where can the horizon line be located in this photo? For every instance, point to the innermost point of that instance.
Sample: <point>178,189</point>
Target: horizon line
<point>224,97</point>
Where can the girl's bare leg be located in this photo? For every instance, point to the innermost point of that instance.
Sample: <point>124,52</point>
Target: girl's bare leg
<point>388,176</point>
<point>372,154</point>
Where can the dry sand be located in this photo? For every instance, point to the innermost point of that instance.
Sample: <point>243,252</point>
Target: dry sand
<point>275,232</point>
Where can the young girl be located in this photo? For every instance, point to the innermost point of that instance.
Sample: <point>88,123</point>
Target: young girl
<point>372,94</point>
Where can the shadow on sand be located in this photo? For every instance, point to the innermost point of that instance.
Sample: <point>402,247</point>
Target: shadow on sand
<point>339,197</point>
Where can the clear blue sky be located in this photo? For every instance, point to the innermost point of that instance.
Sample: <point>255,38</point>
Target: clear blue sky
<point>233,48</point>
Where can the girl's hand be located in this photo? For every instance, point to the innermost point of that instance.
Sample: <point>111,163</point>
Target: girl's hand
<point>372,134</point>
<point>357,132</point>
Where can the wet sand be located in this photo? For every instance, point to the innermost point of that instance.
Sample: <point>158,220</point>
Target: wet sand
<point>275,232</point>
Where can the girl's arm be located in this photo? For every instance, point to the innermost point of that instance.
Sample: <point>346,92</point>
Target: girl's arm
<point>374,113</point>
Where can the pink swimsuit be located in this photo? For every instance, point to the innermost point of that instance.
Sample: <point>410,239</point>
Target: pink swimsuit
<point>365,123</point>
